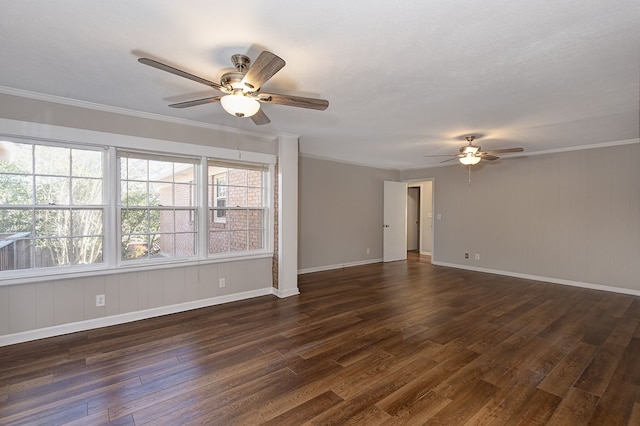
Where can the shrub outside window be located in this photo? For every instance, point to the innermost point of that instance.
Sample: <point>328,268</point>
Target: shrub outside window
<point>51,206</point>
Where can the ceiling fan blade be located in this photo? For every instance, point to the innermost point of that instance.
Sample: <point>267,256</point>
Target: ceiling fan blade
<point>264,67</point>
<point>195,102</point>
<point>441,155</point>
<point>450,159</point>
<point>260,118</point>
<point>486,156</point>
<point>505,150</point>
<point>176,71</point>
<point>294,101</point>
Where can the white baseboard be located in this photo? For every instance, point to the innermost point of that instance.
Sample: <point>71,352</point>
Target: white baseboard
<point>338,266</point>
<point>590,286</point>
<point>58,330</point>
<point>282,294</point>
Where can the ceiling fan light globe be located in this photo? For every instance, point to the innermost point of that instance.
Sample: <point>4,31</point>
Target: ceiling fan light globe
<point>469,159</point>
<point>240,105</point>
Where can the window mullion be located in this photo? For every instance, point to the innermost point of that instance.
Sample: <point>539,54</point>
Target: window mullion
<point>111,196</point>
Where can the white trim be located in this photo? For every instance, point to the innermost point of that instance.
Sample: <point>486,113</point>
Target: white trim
<point>490,271</point>
<point>542,278</point>
<point>44,274</point>
<point>542,152</point>
<point>578,148</point>
<point>338,266</point>
<point>129,112</point>
<point>286,293</point>
<point>288,214</point>
<point>58,330</point>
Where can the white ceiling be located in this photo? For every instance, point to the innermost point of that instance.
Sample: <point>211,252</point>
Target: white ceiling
<point>403,79</point>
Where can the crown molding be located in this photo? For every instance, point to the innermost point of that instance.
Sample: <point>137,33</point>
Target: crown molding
<point>544,152</point>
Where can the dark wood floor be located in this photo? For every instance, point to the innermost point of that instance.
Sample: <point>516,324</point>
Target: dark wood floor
<point>399,343</point>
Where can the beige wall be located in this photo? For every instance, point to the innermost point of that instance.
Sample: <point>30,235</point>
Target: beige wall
<point>340,213</point>
<point>571,216</point>
<point>39,305</point>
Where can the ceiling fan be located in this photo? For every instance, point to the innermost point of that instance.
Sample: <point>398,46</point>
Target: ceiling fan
<point>241,88</point>
<point>471,154</point>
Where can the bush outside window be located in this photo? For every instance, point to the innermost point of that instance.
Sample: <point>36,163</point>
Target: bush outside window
<point>51,207</point>
<point>157,207</point>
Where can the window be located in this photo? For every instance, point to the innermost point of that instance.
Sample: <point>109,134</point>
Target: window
<point>71,206</point>
<point>157,207</point>
<point>51,207</point>
<point>237,208</point>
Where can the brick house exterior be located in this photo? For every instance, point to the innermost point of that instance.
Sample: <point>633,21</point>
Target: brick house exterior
<point>237,225</point>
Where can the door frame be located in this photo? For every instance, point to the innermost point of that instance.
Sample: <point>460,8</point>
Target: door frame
<point>423,219</point>
<point>419,214</point>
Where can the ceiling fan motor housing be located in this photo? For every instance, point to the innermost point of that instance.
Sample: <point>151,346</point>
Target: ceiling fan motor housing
<point>241,62</point>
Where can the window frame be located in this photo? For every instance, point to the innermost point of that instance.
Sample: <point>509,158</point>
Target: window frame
<point>35,207</point>
<point>110,143</point>
<point>191,209</point>
<point>266,207</point>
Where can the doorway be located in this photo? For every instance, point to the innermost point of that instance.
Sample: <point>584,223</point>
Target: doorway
<point>403,203</point>
<point>413,218</point>
<point>420,217</point>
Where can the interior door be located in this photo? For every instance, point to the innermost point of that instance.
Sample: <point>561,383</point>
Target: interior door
<point>394,235</point>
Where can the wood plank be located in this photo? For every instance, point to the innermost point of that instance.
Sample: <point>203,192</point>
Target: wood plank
<point>616,404</point>
<point>537,410</point>
<point>575,409</point>
<point>306,410</point>
<point>465,406</point>
<point>567,371</point>
<point>600,370</point>
<point>508,399</point>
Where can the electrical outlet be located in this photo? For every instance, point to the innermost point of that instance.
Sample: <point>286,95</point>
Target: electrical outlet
<point>222,282</point>
<point>477,256</point>
<point>466,255</point>
<point>368,250</point>
<point>100,300</point>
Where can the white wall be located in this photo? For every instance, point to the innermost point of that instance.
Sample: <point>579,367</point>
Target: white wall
<point>571,217</point>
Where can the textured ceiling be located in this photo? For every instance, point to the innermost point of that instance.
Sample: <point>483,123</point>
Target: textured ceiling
<point>404,79</point>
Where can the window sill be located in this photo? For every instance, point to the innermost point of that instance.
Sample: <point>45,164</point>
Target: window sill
<point>71,273</point>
